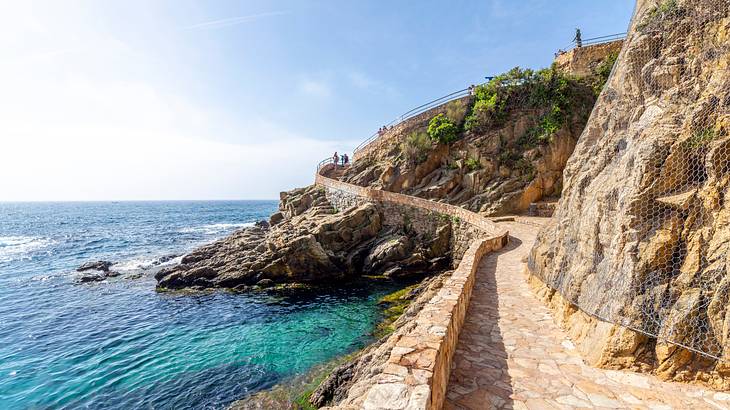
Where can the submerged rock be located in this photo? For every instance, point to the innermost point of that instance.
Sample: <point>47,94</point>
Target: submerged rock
<point>91,278</point>
<point>97,276</point>
<point>95,265</point>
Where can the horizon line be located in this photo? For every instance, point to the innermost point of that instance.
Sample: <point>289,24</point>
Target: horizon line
<point>2,201</point>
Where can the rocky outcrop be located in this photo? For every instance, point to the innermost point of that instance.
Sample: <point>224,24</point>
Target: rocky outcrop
<point>495,170</point>
<point>309,241</point>
<point>102,266</point>
<point>642,234</point>
<point>96,271</point>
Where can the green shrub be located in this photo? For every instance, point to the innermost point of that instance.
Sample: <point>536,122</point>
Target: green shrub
<point>442,129</point>
<point>700,139</point>
<point>416,147</point>
<point>509,157</point>
<point>472,164</point>
<point>526,169</point>
<point>603,71</point>
<point>456,111</point>
<point>525,89</point>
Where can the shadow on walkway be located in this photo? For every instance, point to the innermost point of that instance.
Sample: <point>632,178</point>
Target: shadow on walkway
<point>479,377</point>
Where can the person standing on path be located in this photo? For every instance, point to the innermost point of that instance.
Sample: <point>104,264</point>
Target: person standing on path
<point>578,38</point>
<point>335,158</point>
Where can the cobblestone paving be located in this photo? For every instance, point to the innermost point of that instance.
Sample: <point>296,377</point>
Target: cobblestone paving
<point>512,355</point>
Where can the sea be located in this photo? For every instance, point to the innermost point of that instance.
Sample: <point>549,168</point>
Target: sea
<point>120,344</point>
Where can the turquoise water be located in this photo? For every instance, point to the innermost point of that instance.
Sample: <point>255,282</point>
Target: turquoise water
<point>119,344</point>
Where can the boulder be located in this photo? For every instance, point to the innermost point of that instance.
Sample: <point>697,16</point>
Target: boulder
<point>265,283</point>
<point>276,218</point>
<point>100,265</point>
<point>389,250</point>
<point>91,277</point>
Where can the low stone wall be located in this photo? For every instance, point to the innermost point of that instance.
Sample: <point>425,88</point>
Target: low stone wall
<point>419,366</point>
<point>402,129</point>
<point>422,214</point>
<point>417,371</point>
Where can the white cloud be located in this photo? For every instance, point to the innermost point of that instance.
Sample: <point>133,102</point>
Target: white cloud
<point>232,21</point>
<point>82,165</point>
<point>85,115</point>
<point>365,82</point>
<point>315,88</point>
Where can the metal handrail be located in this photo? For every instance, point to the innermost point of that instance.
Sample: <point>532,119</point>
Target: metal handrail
<point>604,39</point>
<point>606,36</point>
<point>598,40</point>
<point>324,162</point>
<point>416,111</point>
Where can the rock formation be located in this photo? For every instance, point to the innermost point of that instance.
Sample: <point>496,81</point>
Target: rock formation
<point>498,168</point>
<point>96,271</point>
<point>641,236</point>
<point>309,241</point>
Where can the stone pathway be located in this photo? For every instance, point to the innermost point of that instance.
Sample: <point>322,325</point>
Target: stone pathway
<point>512,355</point>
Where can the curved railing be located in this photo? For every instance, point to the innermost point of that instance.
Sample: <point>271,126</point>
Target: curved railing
<point>414,112</point>
<point>597,40</point>
<point>425,352</point>
<point>325,162</point>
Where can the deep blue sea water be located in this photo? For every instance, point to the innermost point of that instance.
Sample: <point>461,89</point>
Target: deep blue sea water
<point>119,344</point>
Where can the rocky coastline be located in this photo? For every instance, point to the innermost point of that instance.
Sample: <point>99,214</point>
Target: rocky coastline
<point>310,241</point>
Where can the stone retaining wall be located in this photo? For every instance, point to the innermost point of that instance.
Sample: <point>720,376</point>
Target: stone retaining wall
<point>402,129</point>
<point>417,372</point>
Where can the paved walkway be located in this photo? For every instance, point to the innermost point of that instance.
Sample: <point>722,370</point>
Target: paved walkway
<point>511,355</point>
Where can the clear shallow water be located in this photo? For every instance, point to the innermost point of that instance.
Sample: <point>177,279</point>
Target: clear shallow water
<point>119,344</point>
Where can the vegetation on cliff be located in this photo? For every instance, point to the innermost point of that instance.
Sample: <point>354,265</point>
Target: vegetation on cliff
<point>495,151</point>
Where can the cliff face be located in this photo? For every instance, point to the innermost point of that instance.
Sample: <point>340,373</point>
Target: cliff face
<point>641,236</point>
<point>498,167</point>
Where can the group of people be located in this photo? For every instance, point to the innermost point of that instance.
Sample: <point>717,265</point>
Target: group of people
<point>340,159</point>
<point>382,130</point>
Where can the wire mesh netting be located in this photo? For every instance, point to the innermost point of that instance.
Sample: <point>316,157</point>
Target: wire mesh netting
<point>667,273</point>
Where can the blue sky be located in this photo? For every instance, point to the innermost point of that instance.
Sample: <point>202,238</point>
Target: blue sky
<point>236,100</point>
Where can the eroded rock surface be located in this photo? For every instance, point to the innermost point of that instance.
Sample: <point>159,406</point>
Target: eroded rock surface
<point>642,235</point>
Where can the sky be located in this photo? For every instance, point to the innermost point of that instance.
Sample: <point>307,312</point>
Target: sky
<point>165,100</point>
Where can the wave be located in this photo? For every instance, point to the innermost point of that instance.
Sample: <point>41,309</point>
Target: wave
<point>212,229</point>
<point>22,247</point>
<point>139,264</point>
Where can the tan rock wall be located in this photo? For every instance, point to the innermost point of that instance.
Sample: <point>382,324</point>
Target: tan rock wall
<point>582,60</point>
<point>640,233</point>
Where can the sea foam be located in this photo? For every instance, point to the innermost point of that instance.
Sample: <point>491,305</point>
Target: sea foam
<point>21,247</point>
<point>212,229</point>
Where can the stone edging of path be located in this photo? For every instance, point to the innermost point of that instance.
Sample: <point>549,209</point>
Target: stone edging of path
<point>417,372</point>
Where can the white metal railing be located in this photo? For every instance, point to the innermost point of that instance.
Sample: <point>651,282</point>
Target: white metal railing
<point>416,111</point>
